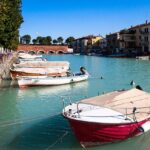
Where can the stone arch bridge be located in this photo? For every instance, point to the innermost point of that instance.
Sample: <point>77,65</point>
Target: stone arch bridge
<point>43,49</point>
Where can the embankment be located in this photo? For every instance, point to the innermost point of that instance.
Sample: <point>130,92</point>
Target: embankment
<point>6,61</point>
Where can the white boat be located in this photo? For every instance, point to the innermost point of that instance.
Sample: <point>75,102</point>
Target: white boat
<point>52,68</point>
<point>143,57</point>
<point>37,72</point>
<point>43,64</point>
<point>109,118</point>
<point>31,60</point>
<point>28,56</point>
<point>25,81</point>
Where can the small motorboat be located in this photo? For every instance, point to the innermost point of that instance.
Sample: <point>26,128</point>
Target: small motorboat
<point>25,81</point>
<point>109,118</point>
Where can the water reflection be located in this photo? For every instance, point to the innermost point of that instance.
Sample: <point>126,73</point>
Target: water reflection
<point>53,91</point>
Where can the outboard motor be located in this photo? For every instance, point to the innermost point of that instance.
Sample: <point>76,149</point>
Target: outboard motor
<point>83,70</point>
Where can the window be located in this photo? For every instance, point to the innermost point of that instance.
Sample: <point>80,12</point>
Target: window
<point>146,39</point>
<point>146,30</point>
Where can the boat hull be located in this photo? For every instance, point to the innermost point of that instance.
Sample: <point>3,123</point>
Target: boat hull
<point>90,134</point>
<point>14,74</point>
<point>24,82</point>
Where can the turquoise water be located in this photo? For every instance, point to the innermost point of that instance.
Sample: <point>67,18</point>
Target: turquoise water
<point>30,118</point>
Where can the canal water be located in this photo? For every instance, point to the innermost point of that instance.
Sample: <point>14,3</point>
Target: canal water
<point>30,119</point>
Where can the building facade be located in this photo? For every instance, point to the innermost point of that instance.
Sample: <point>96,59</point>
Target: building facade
<point>87,44</point>
<point>113,42</point>
<point>134,40</point>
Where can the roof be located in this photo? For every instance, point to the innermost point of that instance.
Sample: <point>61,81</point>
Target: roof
<point>88,37</point>
<point>124,101</point>
<point>140,25</point>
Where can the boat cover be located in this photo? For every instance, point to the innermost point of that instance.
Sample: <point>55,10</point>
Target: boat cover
<point>43,64</point>
<point>125,101</point>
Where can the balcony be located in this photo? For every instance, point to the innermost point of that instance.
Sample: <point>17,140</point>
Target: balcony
<point>144,32</point>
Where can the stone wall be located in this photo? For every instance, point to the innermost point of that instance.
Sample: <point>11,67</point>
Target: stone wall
<point>6,61</point>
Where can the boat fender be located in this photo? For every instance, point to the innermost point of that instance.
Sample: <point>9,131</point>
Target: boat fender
<point>69,112</point>
<point>146,126</point>
<point>141,129</point>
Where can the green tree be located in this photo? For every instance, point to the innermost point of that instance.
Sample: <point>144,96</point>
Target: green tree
<point>60,40</point>
<point>34,41</point>
<point>39,39</point>
<point>43,40</point>
<point>26,39</point>
<point>10,21</point>
<point>69,41</point>
<point>49,40</point>
<point>55,41</point>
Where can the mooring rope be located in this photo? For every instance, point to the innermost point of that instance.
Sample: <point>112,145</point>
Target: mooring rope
<point>59,139</point>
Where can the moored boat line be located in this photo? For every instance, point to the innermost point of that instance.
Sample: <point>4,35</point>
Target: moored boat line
<point>32,73</point>
<point>38,68</point>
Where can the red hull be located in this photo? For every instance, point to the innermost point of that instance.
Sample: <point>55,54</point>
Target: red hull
<point>89,134</point>
<point>14,74</point>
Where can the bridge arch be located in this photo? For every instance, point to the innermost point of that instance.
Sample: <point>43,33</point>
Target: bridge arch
<point>21,51</point>
<point>31,52</point>
<point>41,52</point>
<point>50,52</point>
<point>60,52</point>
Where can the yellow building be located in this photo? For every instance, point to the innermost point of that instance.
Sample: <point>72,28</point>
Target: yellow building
<point>87,44</point>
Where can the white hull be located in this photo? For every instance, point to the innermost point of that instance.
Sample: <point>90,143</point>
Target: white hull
<point>23,55</point>
<point>32,81</point>
<point>43,64</point>
<point>35,60</point>
<point>39,70</point>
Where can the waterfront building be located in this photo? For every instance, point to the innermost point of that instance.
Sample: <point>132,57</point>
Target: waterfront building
<point>132,41</point>
<point>87,44</point>
<point>113,44</point>
<point>145,37</point>
<point>127,41</point>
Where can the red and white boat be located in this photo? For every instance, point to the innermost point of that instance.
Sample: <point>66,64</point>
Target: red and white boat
<point>109,118</point>
<point>45,68</point>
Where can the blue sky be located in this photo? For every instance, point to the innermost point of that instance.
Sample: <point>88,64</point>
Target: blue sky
<point>81,17</point>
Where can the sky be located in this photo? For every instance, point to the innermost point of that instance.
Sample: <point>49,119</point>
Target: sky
<point>81,17</point>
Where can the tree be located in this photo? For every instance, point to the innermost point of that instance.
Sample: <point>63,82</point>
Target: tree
<point>10,21</point>
<point>60,40</point>
<point>70,40</point>
<point>49,40</point>
<point>34,41</point>
<point>26,39</point>
<point>43,40</point>
<point>39,39</point>
<point>55,41</point>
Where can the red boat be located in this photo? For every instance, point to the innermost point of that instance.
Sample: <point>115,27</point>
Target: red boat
<point>109,118</point>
